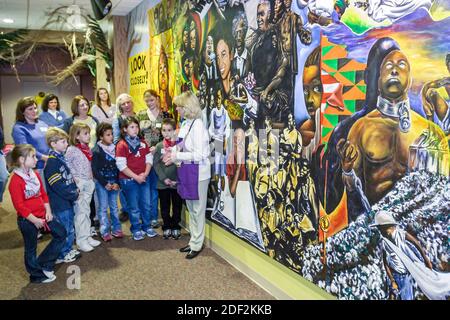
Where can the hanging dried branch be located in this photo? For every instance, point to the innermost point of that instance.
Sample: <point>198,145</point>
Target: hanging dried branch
<point>78,65</point>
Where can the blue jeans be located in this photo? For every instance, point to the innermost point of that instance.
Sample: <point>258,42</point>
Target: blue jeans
<point>46,260</point>
<point>405,285</point>
<point>107,198</point>
<point>123,202</point>
<point>153,195</point>
<point>4,174</point>
<point>65,218</point>
<point>138,203</point>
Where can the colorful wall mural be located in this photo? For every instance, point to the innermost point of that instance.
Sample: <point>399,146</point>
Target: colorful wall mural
<point>330,126</point>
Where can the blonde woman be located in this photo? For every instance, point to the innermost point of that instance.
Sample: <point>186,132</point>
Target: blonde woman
<point>194,168</point>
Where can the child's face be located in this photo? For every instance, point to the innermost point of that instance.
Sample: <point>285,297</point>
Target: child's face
<point>29,162</point>
<point>167,131</point>
<point>84,137</point>
<point>60,146</point>
<point>107,137</point>
<point>132,130</point>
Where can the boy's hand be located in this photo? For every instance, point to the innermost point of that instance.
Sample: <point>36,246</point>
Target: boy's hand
<point>115,186</point>
<point>168,182</point>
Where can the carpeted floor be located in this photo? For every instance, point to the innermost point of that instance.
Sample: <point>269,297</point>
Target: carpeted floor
<point>123,269</point>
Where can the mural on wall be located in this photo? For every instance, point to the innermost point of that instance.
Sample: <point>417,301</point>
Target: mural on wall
<point>330,126</point>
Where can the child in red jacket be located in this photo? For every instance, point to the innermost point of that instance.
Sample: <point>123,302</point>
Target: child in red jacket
<point>31,203</point>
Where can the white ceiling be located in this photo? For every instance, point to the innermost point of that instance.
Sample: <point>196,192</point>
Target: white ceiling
<point>32,14</point>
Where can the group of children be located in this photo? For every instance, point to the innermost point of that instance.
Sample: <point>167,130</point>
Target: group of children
<point>72,174</point>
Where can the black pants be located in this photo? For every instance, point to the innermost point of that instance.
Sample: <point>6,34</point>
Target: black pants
<point>46,260</point>
<point>168,197</point>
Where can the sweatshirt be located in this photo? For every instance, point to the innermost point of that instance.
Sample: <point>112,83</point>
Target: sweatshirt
<point>24,206</point>
<point>104,167</point>
<point>33,134</point>
<point>61,187</point>
<point>164,172</point>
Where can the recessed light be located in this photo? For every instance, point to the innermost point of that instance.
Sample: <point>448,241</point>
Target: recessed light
<point>7,20</point>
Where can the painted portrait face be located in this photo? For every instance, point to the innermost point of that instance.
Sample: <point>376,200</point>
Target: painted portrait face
<point>395,76</point>
<point>188,67</point>
<point>291,121</point>
<point>240,35</point>
<point>163,74</point>
<point>262,16</point>
<point>224,58</point>
<point>312,89</point>
<point>219,99</point>
<point>193,36</point>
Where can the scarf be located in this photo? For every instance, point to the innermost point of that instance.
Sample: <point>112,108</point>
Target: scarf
<point>109,150</point>
<point>133,143</point>
<point>168,143</point>
<point>32,183</point>
<point>399,110</point>
<point>85,149</point>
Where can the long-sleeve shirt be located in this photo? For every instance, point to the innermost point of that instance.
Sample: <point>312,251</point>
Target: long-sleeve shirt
<point>61,187</point>
<point>33,134</point>
<point>196,147</point>
<point>24,206</point>
<point>53,121</point>
<point>135,162</point>
<point>102,116</point>
<point>104,167</point>
<point>79,164</point>
<point>164,172</point>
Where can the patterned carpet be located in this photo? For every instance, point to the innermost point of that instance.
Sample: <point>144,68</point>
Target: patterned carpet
<point>123,269</point>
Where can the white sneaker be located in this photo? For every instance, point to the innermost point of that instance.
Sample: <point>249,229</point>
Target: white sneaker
<point>93,242</point>
<point>49,274</point>
<point>68,258</point>
<point>93,232</point>
<point>49,279</point>
<point>85,247</point>
<point>75,253</point>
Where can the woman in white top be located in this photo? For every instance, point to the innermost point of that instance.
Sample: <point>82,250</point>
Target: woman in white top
<point>103,110</point>
<point>196,148</point>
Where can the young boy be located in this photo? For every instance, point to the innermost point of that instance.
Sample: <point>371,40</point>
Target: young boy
<point>167,183</point>
<point>62,190</point>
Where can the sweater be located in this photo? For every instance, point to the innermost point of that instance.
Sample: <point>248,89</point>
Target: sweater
<point>164,172</point>
<point>150,127</point>
<point>61,188</point>
<point>78,163</point>
<point>104,167</point>
<point>33,134</point>
<point>91,121</point>
<point>98,113</point>
<point>24,206</point>
<point>51,121</point>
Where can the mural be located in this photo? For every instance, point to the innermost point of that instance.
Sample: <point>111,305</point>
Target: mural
<point>330,126</point>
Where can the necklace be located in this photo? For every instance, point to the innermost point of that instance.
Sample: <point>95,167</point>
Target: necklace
<point>399,110</point>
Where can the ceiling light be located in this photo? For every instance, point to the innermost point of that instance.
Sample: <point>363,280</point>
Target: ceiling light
<point>7,20</point>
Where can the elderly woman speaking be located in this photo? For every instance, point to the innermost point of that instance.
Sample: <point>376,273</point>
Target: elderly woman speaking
<point>191,154</point>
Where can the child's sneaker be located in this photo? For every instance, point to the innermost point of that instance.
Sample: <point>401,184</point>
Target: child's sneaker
<point>49,279</point>
<point>68,258</point>
<point>49,274</point>
<point>167,233</point>
<point>75,253</point>
<point>85,247</point>
<point>107,237</point>
<point>151,233</point>
<point>117,234</point>
<point>155,224</point>
<point>93,232</point>
<point>93,243</point>
<point>139,235</point>
<point>176,234</point>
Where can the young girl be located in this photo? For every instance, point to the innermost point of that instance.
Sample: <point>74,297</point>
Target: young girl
<point>79,158</point>
<point>134,161</point>
<point>31,203</point>
<point>106,182</point>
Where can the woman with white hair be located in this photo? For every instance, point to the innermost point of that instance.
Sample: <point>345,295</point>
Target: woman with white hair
<point>125,107</point>
<point>191,155</point>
